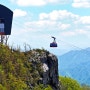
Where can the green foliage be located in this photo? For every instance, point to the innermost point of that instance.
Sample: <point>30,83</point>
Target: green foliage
<point>48,88</point>
<point>40,50</point>
<point>42,87</point>
<point>69,84</point>
<point>2,87</point>
<point>16,84</point>
<point>39,87</point>
<point>20,70</point>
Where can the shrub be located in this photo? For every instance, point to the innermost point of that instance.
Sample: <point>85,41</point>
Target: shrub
<point>69,84</point>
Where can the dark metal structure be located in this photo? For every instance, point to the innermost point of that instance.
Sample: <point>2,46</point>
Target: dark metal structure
<point>6,16</point>
<point>53,44</point>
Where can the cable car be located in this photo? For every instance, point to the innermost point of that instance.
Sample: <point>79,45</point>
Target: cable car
<point>53,44</point>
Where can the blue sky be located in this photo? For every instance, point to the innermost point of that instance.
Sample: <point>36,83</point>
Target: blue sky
<point>35,21</point>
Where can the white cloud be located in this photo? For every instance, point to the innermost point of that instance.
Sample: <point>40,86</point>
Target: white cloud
<point>59,21</point>
<point>64,26</point>
<point>54,15</point>
<point>83,20</point>
<point>43,16</point>
<point>47,25</point>
<point>19,13</point>
<point>81,31</point>
<point>39,2</point>
<point>68,33</point>
<point>31,2</point>
<point>59,1</point>
<point>41,25</point>
<point>81,3</point>
<point>75,3</point>
<point>52,1</point>
<point>58,15</point>
<point>75,32</point>
<point>88,27</point>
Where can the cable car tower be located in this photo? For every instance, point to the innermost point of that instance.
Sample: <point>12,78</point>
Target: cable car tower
<point>6,16</point>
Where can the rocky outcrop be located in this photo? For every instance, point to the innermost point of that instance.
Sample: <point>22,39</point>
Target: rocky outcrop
<point>49,65</point>
<point>50,74</point>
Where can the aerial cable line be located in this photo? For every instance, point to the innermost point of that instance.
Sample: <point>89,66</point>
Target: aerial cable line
<point>27,27</point>
<point>21,26</point>
<point>70,44</point>
<point>75,46</point>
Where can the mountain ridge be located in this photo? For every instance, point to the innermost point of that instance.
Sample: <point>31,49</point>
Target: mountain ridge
<point>75,64</point>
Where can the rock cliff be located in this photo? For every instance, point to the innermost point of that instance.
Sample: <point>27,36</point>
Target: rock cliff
<point>49,68</point>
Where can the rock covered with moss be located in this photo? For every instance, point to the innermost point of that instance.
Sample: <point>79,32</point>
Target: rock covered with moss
<point>49,68</point>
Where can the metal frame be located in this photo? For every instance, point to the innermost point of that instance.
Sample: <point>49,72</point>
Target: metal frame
<point>4,39</point>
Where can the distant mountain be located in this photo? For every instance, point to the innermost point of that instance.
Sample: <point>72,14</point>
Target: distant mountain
<point>76,64</point>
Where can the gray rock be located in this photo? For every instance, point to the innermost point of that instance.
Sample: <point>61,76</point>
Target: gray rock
<point>49,65</point>
<point>51,76</point>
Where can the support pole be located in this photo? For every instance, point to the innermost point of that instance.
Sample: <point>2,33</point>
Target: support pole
<point>4,39</point>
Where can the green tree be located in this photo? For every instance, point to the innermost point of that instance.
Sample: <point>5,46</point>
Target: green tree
<point>69,84</point>
<point>2,87</point>
<point>48,88</point>
<point>42,87</point>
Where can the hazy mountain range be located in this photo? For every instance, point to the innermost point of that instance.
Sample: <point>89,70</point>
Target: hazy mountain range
<point>76,64</point>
